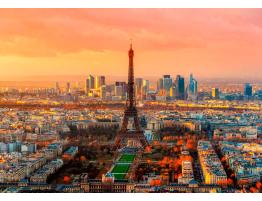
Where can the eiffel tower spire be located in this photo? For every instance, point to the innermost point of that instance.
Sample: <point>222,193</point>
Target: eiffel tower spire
<point>130,95</point>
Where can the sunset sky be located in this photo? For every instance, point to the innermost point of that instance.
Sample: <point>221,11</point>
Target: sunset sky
<point>57,42</point>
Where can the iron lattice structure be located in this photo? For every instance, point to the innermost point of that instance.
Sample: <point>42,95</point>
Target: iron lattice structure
<point>130,111</point>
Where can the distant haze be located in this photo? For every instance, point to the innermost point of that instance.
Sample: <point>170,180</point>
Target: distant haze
<point>49,81</point>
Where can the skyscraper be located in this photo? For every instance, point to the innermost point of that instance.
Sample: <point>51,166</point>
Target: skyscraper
<point>102,80</point>
<point>173,92</point>
<point>57,88</point>
<point>145,88</point>
<point>215,93</point>
<point>120,89</point>
<point>180,87</point>
<point>99,81</point>
<point>68,87</point>
<point>248,90</point>
<point>192,88</point>
<point>160,84</point>
<point>138,87</point>
<point>90,83</point>
<point>167,83</point>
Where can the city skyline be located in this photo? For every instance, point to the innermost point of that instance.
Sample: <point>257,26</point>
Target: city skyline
<point>59,42</point>
<point>92,136</point>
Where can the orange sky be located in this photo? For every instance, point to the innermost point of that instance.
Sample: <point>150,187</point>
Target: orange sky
<point>206,42</point>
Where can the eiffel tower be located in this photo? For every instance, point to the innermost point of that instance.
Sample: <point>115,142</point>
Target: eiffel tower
<point>130,129</point>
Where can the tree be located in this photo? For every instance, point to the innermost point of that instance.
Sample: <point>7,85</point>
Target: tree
<point>230,182</point>
<point>253,190</point>
<point>82,158</point>
<point>258,185</point>
<point>66,179</point>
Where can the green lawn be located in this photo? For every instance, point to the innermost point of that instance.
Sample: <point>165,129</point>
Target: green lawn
<point>127,158</point>
<point>121,168</point>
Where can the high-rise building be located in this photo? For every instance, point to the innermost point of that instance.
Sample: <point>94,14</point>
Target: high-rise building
<point>57,88</point>
<point>248,90</point>
<point>90,83</point>
<point>180,87</point>
<point>172,93</point>
<point>99,81</point>
<point>68,87</point>
<point>138,87</point>
<point>215,93</point>
<point>167,83</point>
<point>102,80</point>
<point>160,85</point>
<point>192,88</point>
<point>110,89</point>
<point>145,88</point>
<point>120,89</point>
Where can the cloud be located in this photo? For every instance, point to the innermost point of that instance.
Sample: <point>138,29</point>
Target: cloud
<point>48,32</point>
<point>221,40</point>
